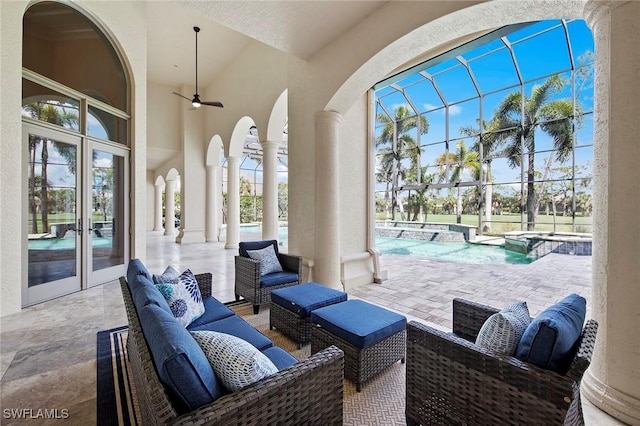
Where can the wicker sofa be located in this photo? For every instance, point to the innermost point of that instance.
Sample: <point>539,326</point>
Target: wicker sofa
<point>306,392</point>
<point>453,381</point>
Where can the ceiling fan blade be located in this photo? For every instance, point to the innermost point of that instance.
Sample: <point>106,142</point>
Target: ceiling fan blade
<point>215,104</point>
<point>176,93</point>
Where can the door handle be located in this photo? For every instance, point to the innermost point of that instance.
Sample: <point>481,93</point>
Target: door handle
<point>79,227</point>
<point>90,225</point>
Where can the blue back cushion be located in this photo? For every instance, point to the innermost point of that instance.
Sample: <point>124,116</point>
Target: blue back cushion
<point>144,292</point>
<point>552,338</point>
<point>182,367</point>
<point>256,245</point>
<point>136,267</point>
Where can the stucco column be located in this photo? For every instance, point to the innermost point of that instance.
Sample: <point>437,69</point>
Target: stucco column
<point>157,210</point>
<point>211,220</point>
<point>169,208</point>
<point>327,242</point>
<point>612,382</point>
<point>270,190</point>
<point>233,202</point>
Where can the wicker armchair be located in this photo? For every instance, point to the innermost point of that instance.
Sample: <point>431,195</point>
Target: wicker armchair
<point>452,381</point>
<point>308,392</point>
<point>256,288</point>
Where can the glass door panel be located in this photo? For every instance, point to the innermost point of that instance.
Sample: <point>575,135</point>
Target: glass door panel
<point>108,222</point>
<point>53,241</point>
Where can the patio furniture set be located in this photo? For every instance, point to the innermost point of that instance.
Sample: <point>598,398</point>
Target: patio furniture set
<point>451,378</point>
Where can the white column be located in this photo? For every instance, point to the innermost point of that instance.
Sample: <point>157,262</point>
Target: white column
<point>327,224</point>
<point>169,208</point>
<point>233,202</point>
<point>612,382</point>
<point>270,190</point>
<point>157,211</point>
<point>211,222</point>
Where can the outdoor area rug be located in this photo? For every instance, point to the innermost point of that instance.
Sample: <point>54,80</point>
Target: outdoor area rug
<point>381,401</point>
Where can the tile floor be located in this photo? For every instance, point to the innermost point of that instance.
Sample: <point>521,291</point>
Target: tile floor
<point>47,352</point>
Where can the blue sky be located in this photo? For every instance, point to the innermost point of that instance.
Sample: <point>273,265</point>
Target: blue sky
<point>540,49</point>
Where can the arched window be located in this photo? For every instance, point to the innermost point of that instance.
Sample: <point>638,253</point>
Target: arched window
<point>68,61</point>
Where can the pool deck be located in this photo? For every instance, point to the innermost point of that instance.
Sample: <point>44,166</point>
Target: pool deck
<point>422,289</point>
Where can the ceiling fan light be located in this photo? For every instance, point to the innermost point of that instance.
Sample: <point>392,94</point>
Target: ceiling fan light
<point>196,101</point>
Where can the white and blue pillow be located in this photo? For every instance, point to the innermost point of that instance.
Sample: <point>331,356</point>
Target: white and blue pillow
<point>268,259</point>
<point>236,362</point>
<point>184,297</point>
<point>502,331</point>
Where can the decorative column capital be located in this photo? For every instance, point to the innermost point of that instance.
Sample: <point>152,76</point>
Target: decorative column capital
<point>269,144</point>
<point>326,117</point>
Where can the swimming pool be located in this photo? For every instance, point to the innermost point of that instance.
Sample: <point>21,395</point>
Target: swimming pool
<point>451,252</point>
<point>66,243</point>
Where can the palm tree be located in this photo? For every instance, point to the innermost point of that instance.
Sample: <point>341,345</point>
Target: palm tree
<point>552,117</point>
<point>419,202</point>
<point>462,160</point>
<point>55,114</point>
<point>396,144</point>
<point>490,141</point>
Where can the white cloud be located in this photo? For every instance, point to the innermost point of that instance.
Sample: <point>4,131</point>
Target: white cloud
<point>455,110</point>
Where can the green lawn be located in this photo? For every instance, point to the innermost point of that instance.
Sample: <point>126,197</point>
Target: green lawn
<point>511,222</point>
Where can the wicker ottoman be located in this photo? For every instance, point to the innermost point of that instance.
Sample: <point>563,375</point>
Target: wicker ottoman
<point>372,338</point>
<point>291,308</point>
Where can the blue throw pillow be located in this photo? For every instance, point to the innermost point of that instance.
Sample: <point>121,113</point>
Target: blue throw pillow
<point>551,339</point>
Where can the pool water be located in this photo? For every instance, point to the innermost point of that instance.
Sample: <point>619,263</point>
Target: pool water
<point>452,252</point>
<point>66,243</point>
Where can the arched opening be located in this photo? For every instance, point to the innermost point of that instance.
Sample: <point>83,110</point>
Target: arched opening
<point>75,113</point>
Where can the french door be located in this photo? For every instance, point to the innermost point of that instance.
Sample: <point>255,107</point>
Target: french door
<point>77,213</point>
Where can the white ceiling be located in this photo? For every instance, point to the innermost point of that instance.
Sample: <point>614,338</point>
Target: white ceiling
<point>300,28</point>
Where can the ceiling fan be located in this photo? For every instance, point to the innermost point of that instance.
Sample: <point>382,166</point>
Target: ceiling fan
<point>196,102</point>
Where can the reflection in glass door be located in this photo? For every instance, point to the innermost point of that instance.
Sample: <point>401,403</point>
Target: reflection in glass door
<point>107,224</point>
<point>52,223</point>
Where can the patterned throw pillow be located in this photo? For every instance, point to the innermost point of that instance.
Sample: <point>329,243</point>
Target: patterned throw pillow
<point>502,331</point>
<point>268,260</point>
<point>169,275</point>
<point>184,298</point>
<point>236,362</point>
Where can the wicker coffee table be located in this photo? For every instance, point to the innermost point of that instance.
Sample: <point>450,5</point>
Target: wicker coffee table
<point>372,338</point>
<point>291,308</point>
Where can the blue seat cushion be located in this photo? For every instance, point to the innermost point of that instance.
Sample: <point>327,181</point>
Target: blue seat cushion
<point>144,292</point>
<point>552,338</point>
<point>214,310</point>
<point>256,245</point>
<point>280,358</point>
<point>181,364</point>
<point>277,278</point>
<point>303,298</point>
<point>238,327</point>
<point>359,323</point>
<point>136,267</point>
